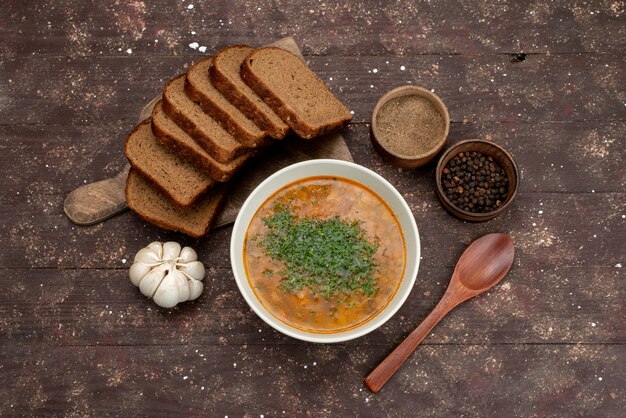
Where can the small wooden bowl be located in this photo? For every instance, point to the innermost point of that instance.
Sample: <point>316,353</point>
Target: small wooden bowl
<point>409,161</point>
<point>488,148</point>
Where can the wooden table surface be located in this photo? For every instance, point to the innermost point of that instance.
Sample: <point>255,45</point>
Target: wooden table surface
<point>77,338</point>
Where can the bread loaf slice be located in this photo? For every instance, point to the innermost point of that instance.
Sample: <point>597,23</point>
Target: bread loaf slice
<point>215,104</point>
<point>175,177</point>
<point>153,206</point>
<point>294,92</point>
<point>201,127</point>
<point>180,143</point>
<point>225,76</point>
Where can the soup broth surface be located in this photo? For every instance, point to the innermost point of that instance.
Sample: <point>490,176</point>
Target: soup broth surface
<point>323,199</point>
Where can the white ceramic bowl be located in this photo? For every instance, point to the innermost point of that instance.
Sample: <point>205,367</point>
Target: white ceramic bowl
<point>336,168</point>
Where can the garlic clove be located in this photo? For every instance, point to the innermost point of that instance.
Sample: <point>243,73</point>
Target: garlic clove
<point>152,280</point>
<point>147,256</point>
<point>171,250</point>
<point>157,247</point>
<point>166,295</point>
<point>173,289</point>
<point>194,270</point>
<point>195,289</point>
<point>187,255</point>
<point>182,285</point>
<point>137,271</point>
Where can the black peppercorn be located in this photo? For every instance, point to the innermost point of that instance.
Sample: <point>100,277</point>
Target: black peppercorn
<point>475,182</point>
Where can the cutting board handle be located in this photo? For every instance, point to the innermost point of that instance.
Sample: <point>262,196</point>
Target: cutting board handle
<point>95,202</point>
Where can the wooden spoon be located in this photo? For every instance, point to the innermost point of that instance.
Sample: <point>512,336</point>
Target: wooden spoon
<point>483,264</point>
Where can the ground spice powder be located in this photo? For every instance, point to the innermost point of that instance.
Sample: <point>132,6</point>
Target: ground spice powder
<point>409,125</point>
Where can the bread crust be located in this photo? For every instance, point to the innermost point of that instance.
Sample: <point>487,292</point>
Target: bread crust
<point>177,115</point>
<point>243,103</point>
<point>217,112</point>
<point>218,171</point>
<point>282,109</point>
<point>154,181</point>
<point>162,223</point>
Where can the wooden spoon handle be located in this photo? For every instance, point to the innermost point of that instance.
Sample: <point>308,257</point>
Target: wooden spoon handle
<point>381,374</point>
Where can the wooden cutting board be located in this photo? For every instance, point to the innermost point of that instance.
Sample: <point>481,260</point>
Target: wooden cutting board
<point>93,203</point>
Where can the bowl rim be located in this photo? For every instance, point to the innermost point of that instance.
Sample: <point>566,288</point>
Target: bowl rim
<point>398,300</point>
<point>478,216</point>
<point>422,92</point>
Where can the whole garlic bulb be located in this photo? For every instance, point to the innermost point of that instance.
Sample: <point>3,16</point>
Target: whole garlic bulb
<point>168,274</point>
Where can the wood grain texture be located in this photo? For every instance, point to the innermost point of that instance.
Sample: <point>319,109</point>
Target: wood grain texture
<point>96,202</point>
<point>165,28</point>
<point>570,157</point>
<point>254,380</point>
<point>76,338</point>
<point>91,90</point>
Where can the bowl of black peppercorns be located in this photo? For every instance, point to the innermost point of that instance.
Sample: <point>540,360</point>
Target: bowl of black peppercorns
<point>476,180</point>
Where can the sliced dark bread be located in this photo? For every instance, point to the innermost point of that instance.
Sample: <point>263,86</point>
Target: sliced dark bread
<point>153,206</point>
<point>225,77</point>
<point>294,92</point>
<point>200,90</point>
<point>180,143</point>
<point>200,126</point>
<point>178,179</point>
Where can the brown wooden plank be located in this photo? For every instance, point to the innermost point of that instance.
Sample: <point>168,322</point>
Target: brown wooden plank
<point>553,156</point>
<point>486,88</point>
<point>91,307</point>
<point>550,229</point>
<point>350,28</point>
<point>312,380</point>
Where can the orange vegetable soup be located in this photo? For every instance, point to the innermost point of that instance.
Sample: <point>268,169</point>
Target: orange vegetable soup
<point>324,254</point>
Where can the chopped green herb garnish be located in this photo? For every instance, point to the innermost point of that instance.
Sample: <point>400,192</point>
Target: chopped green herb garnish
<point>330,257</point>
